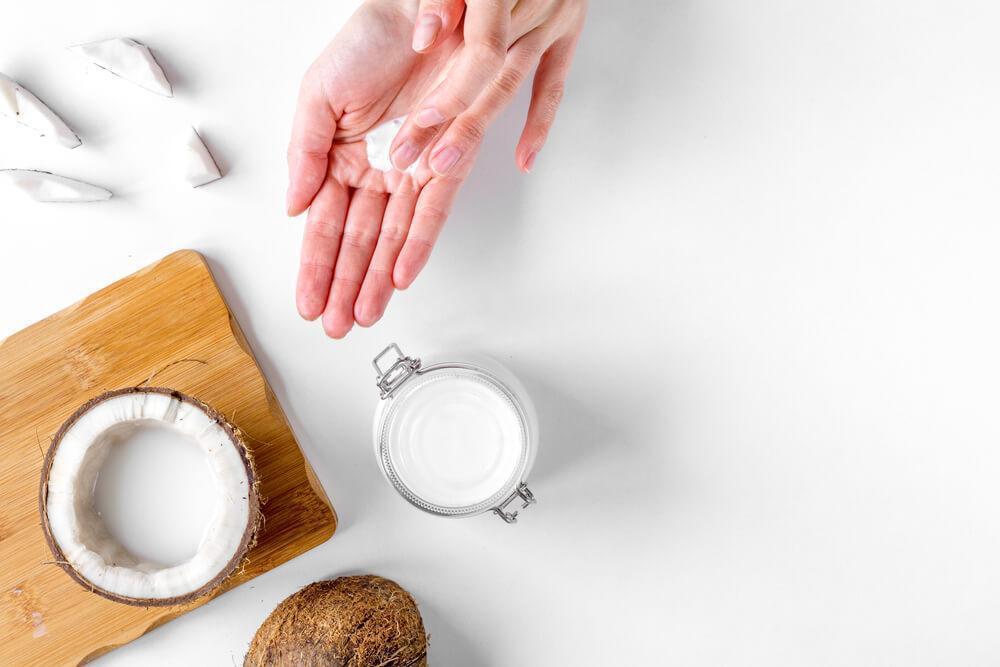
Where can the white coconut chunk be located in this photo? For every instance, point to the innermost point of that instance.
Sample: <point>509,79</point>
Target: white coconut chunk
<point>19,105</point>
<point>77,533</point>
<point>47,187</point>
<point>197,163</point>
<point>128,59</point>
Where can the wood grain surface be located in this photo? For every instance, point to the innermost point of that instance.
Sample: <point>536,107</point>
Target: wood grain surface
<point>114,338</point>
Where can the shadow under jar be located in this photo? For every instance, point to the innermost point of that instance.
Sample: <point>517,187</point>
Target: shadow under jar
<point>455,439</point>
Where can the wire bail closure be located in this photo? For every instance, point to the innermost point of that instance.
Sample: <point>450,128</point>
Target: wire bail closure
<point>389,380</point>
<point>524,493</point>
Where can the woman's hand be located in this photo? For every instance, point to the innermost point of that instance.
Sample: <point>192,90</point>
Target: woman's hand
<point>503,41</point>
<point>369,232</point>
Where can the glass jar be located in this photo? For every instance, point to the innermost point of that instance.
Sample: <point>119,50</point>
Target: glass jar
<point>454,439</point>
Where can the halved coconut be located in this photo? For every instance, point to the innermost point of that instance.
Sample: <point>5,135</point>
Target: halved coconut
<point>75,532</point>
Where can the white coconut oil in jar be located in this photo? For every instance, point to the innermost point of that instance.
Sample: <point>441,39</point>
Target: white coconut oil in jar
<point>454,438</point>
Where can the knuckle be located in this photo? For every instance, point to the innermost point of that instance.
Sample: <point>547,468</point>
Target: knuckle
<point>358,239</point>
<point>508,82</point>
<point>524,55</point>
<point>431,215</point>
<point>553,96</point>
<point>491,51</point>
<point>313,265</point>
<point>471,131</point>
<point>393,233</point>
<point>324,230</point>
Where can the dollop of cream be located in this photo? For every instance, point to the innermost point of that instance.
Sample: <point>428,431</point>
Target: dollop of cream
<point>378,142</point>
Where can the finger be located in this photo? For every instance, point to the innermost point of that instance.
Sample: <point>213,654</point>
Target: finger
<point>436,19</point>
<point>485,48</point>
<point>433,207</point>
<point>309,148</point>
<point>410,142</point>
<point>546,94</point>
<point>320,245</point>
<point>377,288</point>
<point>364,217</point>
<point>465,134</point>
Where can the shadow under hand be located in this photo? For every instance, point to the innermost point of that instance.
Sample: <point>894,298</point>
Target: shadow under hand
<point>485,224</point>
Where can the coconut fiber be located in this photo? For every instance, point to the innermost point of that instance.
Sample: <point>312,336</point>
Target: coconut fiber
<point>363,621</point>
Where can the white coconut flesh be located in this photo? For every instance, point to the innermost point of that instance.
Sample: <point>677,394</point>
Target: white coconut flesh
<point>79,536</point>
<point>47,187</point>
<point>19,105</point>
<point>129,60</point>
<point>197,163</point>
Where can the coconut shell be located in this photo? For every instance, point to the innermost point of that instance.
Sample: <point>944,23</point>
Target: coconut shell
<point>254,523</point>
<point>363,621</point>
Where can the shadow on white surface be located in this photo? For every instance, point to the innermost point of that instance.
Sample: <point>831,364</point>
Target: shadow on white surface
<point>448,646</point>
<point>221,160</point>
<point>583,460</point>
<point>485,225</point>
<point>569,433</point>
<point>177,76</point>
<point>231,293</point>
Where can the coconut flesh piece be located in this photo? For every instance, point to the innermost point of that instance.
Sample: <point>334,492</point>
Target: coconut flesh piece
<point>129,60</point>
<point>21,106</point>
<point>47,187</point>
<point>81,543</point>
<point>198,164</point>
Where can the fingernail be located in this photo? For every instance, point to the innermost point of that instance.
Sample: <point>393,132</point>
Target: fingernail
<point>445,159</point>
<point>427,28</point>
<point>405,155</point>
<point>529,162</point>
<point>309,309</point>
<point>368,314</point>
<point>429,117</point>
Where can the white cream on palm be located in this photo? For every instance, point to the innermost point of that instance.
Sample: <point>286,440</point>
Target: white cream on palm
<point>379,141</point>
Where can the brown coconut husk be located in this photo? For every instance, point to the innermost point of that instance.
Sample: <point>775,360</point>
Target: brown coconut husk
<point>255,520</point>
<point>363,621</point>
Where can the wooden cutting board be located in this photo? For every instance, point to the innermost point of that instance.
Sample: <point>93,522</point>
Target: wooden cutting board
<point>114,338</point>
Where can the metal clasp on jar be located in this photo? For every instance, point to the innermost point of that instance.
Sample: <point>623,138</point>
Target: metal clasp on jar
<point>389,380</point>
<point>524,493</point>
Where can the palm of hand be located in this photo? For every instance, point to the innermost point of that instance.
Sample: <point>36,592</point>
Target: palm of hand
<point>378,77</point>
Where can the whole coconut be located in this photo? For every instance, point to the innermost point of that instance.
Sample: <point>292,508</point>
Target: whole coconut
<point>364,621</point>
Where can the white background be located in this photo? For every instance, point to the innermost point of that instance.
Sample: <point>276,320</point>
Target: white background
<point>751,285</point>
